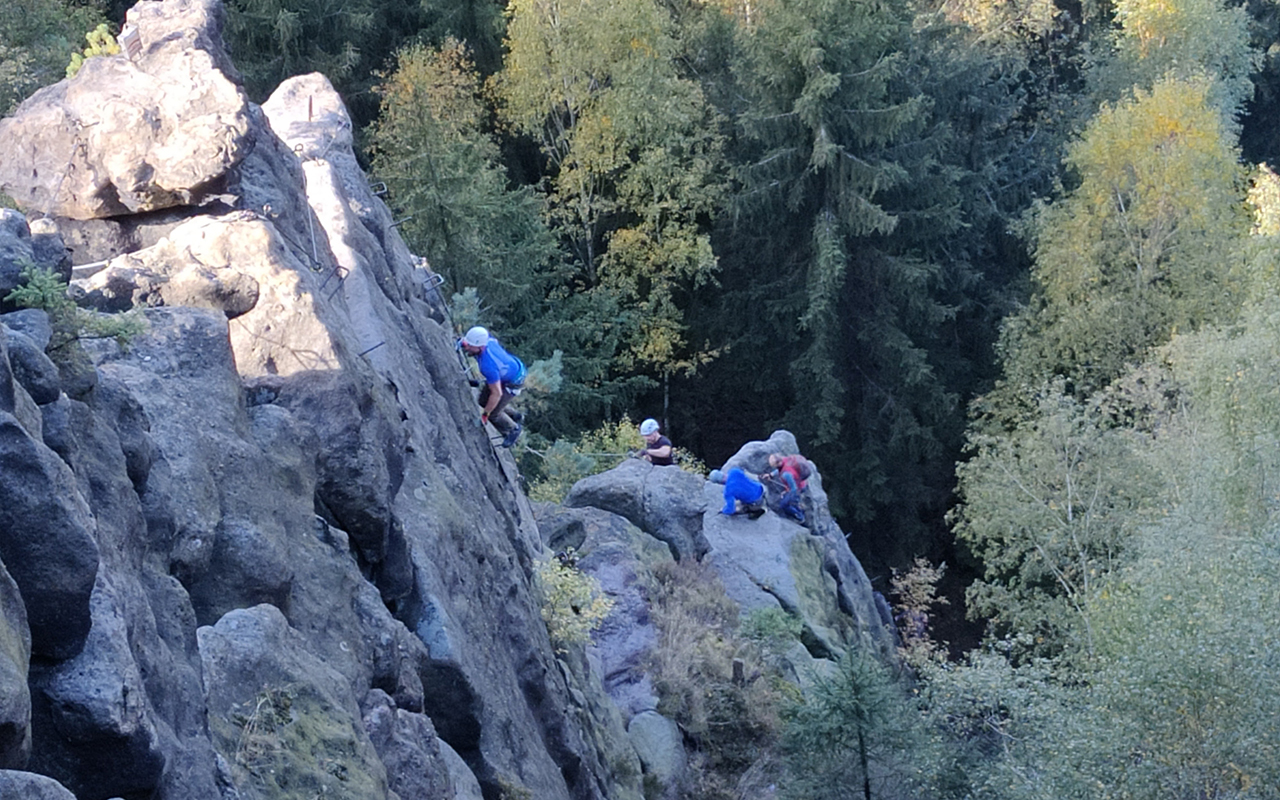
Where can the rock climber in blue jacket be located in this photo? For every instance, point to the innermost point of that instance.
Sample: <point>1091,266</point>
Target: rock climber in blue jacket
<point>504,376</point>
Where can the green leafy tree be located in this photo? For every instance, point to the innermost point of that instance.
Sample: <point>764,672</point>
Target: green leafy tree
<point>1180,700</point>
<point>445,177</point>
<point>1183,631</point>
<point>1149,242</point>
<point>632,161</point>
<point>1186,689</point>
<point>487,237</point>
<point>996,730</point>
<point>1049,508</point>
<point>1159,40</point>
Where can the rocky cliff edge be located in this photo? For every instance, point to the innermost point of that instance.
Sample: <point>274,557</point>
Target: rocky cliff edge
<point>266,549</point>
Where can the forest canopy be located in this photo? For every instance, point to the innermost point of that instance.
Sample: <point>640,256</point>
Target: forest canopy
<point>1008,271</point>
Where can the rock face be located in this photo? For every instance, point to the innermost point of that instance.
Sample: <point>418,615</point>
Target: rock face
<point>15,658</point>
<point>130,136</point>
<point>267,550</point>
<point>624,522</point>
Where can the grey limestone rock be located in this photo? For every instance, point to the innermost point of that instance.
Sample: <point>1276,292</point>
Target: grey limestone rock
<point>276,709</point>
<point>125,136</point>
<point>25,245</point>
<point>46,540</point>
<point>30,786</point>
<point>48,247</point>
<point>665,502</point>
<point>33,369</point>
<point>15,659</point>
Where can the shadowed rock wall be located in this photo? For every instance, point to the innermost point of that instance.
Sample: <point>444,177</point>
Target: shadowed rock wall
<point>266,550</point>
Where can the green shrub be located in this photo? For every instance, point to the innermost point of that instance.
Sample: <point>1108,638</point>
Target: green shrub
<point>731,721</point>
<point>555,468</point>
<point>44,289</point>
<point>101,43</point>
<point>564,462</point>
<point>573,604</point>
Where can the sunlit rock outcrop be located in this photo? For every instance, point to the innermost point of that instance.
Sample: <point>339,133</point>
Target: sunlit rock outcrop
<point>265,548</point>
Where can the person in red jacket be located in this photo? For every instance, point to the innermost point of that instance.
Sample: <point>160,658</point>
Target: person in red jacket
<point>791,472</point>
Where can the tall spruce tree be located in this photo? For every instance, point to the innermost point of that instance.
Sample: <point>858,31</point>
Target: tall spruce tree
<point>851,262</point>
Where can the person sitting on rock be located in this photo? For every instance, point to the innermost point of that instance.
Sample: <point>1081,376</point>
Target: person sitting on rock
<point>504,376</point>
<point>657,448</point>
<point>791,473</point>
<point>742,493</point>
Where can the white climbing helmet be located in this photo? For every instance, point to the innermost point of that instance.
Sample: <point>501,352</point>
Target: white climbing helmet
<point>477,337</point>
<point>648,426</point>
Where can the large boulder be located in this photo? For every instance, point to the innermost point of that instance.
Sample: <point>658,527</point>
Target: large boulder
<point>665,502</point>
<point>48,247</point>
<point>94,728</point>
<point>30,786</point>
<point>23,245</point>
<point>34,370</point>
<point>125,136</point>
<point>773,562</point>
<point>47,540</point>
<point>286,718</point>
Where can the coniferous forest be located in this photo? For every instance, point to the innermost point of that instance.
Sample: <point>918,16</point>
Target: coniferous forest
<point>1009,271</point>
